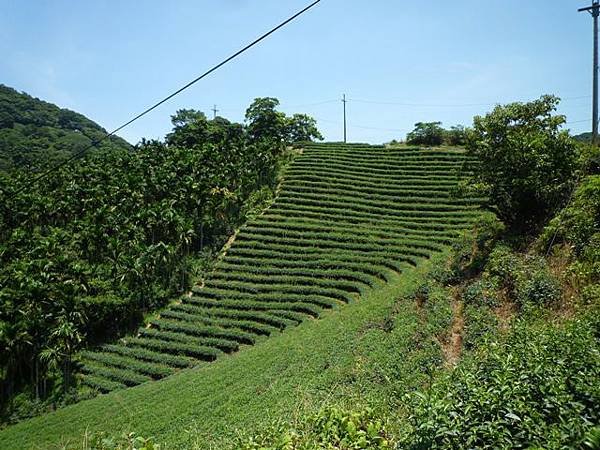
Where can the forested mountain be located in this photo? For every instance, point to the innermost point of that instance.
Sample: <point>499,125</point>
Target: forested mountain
<point>34,133</point>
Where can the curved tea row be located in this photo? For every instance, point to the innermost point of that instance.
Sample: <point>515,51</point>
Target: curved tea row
<point>346,218</point>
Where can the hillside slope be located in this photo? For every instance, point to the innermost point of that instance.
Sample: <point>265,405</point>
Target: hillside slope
<point>34,133</point>
<point>344,219</point>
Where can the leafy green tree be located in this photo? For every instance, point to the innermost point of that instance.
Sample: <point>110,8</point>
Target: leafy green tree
<point>264,122</point>
<point>64,340</point>
<point>456,135</point>
<point>190,127</point>
<point>302,128</point>
<point>526,162</point>
<point>426,133</point>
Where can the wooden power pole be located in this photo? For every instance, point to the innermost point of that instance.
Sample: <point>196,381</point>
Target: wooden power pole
<point>594,10</point>
<point>344,102</point>
<point>215,111</point>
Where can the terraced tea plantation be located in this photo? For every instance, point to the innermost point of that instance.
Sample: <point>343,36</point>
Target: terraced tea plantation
<point>346,217</point>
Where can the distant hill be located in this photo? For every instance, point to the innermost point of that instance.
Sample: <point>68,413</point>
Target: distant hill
<point>583,137</point>
<point>35,133</point>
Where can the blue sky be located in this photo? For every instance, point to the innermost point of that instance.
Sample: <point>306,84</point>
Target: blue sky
<point>399,62</point>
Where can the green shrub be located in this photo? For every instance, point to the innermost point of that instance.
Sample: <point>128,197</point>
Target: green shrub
<point>537,286</point>
<point>578,223</point>
<point>471,251</point>
<point>589,159</point>
<point>480,322</point>
<point>527,279</point>
<point>482,292</point>
<point>439,312</point>
<point>537,389</point>
<point>591,294</point>
<point>331,428</point>
<point>503,264</point>
<point>128,441</point>
<point>421,293</point>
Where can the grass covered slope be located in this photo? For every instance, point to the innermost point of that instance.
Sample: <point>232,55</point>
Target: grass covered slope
<point>346,218</point>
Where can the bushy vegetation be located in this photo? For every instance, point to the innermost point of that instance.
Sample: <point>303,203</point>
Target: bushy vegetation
<point>537,388</point>
<point>526,162</point>
<point>578,226</point>
<point>432,134</point>
<point>426,133</point>
<point>528,379</point>
<point>128,441</point>
<point>35,134</point>
<point>330,428</point>
<point>264,120</point>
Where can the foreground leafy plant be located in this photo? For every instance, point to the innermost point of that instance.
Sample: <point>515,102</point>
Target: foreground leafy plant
<point>538,388</point>
<point>331,428</point>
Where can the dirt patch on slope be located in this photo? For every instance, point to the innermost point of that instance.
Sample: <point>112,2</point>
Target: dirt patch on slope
<point>453,344</point>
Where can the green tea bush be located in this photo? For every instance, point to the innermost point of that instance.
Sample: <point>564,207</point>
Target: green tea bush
<point>128,441</point>
<point>537,389</point>
<point>481,292</point>
<point>438,309</point>
<point>471,251</point>
<point>591,294</point>
<point>123,376</point>
<point>589,159</point>
<point>480,322</point>
<point>538,286</point>
<point>503,264</point>
<point>578,223</point>
<point>421,293</point>
<point>527,279</point>
<point>331,428</point>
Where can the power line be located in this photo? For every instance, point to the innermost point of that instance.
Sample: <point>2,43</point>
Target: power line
<point>397,130</point>
<point>576,121</point>
<point>335,122</point>
<point>446,105</point>
<point>376,102</point>
<point>82,152</point>
<point>324,102</point>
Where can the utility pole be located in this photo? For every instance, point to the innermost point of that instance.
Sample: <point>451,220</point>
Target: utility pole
<point>215,111</point>
<point>344,102</point>
<point>594,10</point>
